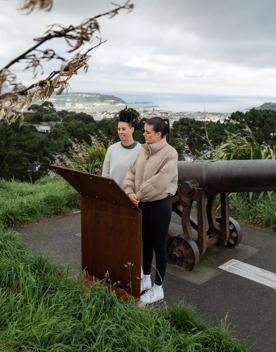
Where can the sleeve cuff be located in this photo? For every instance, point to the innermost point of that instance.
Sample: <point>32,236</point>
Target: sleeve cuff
<point>128,190</point>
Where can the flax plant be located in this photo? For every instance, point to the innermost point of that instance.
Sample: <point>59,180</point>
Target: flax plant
<point>258,207</point>
<point>88,157</point>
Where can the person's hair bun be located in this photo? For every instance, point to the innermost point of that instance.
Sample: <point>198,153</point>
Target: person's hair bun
<point>129,115</point>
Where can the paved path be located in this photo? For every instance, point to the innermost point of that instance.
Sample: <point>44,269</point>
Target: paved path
<point>248,306</point>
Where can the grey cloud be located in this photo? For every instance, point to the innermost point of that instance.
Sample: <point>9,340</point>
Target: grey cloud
<point>231,31</point>
<point>234,31</point>
<point>238,32</point>
<point>221,19</point>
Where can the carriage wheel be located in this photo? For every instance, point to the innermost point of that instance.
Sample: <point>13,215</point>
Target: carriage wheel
<point>183,252</point>
<point>235,233</point>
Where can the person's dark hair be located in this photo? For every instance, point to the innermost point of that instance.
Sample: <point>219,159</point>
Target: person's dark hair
<point>129,115</point>
<point>159,125</point>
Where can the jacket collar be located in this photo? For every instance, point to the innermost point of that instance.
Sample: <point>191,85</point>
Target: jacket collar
<point>155,147</point>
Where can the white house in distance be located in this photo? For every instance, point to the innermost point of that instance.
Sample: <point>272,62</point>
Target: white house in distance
<point>44,128</point>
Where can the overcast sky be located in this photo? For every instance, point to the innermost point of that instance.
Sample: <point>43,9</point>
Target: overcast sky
<point>176,46</point>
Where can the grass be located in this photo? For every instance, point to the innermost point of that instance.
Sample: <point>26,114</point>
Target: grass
<point>22,202</point>
<point>42,308</point>
<point>260,211</point>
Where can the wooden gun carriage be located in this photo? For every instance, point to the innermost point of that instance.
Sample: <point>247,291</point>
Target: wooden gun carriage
<point>201,182</point>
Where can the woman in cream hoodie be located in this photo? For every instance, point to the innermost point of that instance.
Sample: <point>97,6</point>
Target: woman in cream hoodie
<point>150,183</point>
<point>121,155</point>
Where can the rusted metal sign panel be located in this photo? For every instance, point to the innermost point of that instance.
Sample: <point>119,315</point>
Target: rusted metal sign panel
<point>96,187</point>
<point>110,229</point>
<point>111,243</point>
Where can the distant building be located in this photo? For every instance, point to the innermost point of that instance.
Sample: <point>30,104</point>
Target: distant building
<point>43,128</point>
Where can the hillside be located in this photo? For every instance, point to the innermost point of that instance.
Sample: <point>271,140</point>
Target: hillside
<point>83,97</point>
<point>267,106</point>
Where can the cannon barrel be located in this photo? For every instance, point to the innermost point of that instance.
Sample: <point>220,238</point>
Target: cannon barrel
<point>200,182</point>
<point>229,176</point>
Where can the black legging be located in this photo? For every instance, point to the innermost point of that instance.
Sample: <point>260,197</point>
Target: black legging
<point>155,226</point>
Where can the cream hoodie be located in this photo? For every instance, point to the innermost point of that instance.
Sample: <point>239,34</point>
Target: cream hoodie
<point>153,175</point>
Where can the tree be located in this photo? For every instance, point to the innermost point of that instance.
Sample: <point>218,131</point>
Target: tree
<point>23,152</point>
<point>191,137</point>
<point>75,36</point>
<point>41,113</point>
<point>262,123</point>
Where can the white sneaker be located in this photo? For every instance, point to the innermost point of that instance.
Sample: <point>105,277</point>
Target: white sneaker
<point>155,294</point>
<point>145,283</point>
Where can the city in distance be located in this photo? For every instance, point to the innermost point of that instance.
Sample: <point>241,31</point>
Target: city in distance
<point>174,106</point>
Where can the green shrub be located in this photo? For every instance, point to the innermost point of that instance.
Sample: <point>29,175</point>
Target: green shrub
<point>260,211</point>
<point>243,146</point>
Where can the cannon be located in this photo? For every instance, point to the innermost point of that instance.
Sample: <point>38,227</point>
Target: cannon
<point>201,182</point>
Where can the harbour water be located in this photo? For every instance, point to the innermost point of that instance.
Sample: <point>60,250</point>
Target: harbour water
<point>196,102</point>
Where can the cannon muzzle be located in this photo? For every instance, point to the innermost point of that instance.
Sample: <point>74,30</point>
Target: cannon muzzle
<point>230,176</point>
